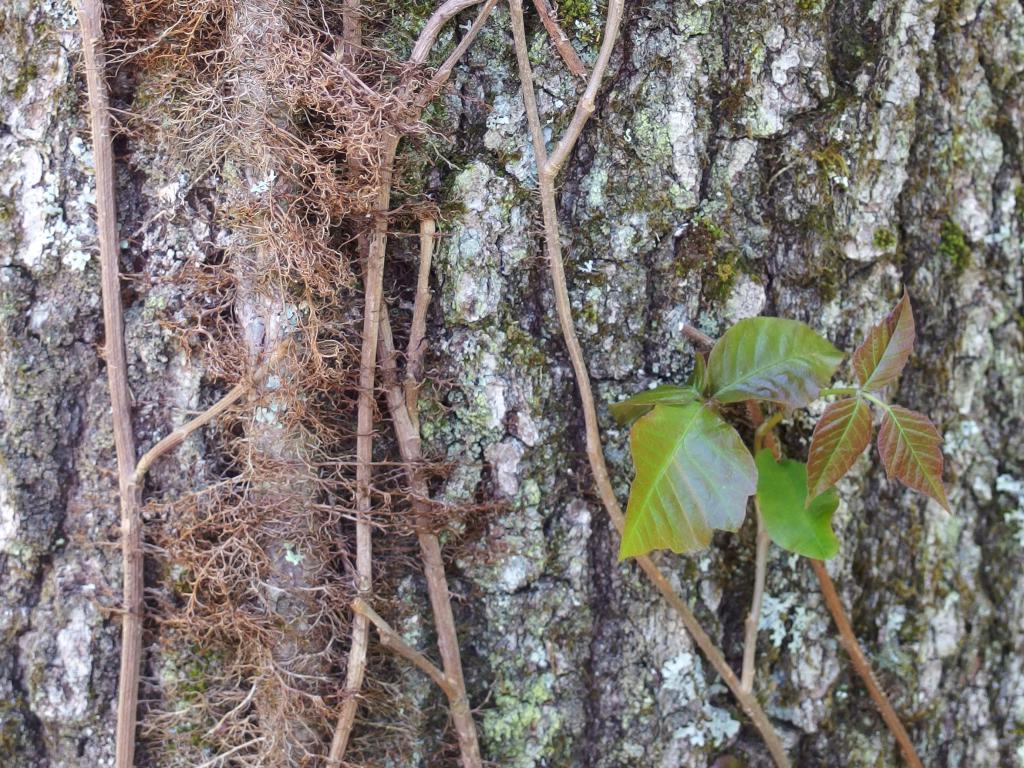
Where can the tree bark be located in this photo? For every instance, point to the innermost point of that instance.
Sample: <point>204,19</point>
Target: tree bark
<point>806,159</point>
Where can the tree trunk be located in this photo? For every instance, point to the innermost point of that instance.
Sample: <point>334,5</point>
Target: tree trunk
<point>801,158</point>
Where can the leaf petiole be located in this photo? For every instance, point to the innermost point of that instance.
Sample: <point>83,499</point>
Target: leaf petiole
<point>839,391</point>
<point>875,399</point>
<point>853,392</point>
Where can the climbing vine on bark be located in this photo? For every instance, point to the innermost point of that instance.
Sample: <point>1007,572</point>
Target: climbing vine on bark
<point>694,474</point>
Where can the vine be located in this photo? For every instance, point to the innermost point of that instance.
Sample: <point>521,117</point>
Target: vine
<point>548,167</point>
<point>694,474</point>
<point>277,466</point>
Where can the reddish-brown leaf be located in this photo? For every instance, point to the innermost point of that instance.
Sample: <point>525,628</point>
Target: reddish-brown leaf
<point>879,360</point>
<point>911,451</point>
<point>841,435</point>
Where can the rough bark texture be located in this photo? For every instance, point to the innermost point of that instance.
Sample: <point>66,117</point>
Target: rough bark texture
<point>802,158</point>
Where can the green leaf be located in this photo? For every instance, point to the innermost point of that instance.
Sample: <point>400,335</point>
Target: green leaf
<point>699,380</point>
<point>911,450</point>
<point>693,475</point>
<point>768,358</point>
<point>879,360</point>
<point>629,410</point>
<point>790,521</point>
<point>841,435</point>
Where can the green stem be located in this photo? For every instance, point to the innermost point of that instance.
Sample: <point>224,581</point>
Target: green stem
<point>855,392</point>
<point>839,391</point>
<point>875,399</point>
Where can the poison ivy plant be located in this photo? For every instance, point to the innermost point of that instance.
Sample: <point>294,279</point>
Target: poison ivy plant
<point>910,447</point>
<point>694,475</point>
<point>879,360</point>
<point>840,437</point>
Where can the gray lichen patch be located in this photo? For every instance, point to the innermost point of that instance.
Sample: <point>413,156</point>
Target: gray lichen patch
<point>486,249</point>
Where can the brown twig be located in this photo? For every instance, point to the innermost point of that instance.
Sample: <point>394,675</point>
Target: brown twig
<point>177,437</point>
<point>748,702</point>
<point>444,72</point>
<point>373,282</point>
<point>763,436</point>
<point>410,447</point>
<point>393,641</point>
<point>428,36</point>
<point>351,24</point>
<point>559,39</point>
<point>416,347</point>
<point>587,103</point>
<point>698,337</point>
<point>371,324</point>
<point>835,606</point>
<point>863,667</point>
<point>753,620</point>
<point>90,17</point>
<point>548,168</point>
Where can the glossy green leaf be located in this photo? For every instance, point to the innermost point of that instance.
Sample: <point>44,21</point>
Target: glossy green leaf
<point>693,476</point>
<point>629,410</point>
<point>840,437</point>
<point>768,358</point>
<point>880,359</point>
<point>790,521</point>
<point>911,450</point>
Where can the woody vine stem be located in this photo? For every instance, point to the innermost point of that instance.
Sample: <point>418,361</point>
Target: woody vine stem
<point>374,320</point>
<point>548,167</point>
<point>90,17</point>
<point>131,474</point>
